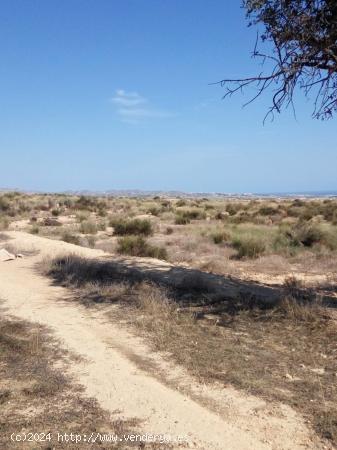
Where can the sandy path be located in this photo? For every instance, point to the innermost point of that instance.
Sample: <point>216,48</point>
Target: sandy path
<point>118,383</point>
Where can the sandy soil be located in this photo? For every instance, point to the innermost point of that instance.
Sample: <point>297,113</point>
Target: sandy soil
<point>121,373</point>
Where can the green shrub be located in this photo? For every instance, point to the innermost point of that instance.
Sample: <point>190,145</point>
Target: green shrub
<point>308,234</point>
<point>41,207</point>
<point>249,246</point>
<point>329,239</point>
<point>298,202</point>
<point>132,227</point>
<point>284,244</point>
<point>233,208</point>
<point>185,216</point>
<point>138,246</point>
<point>82,215</point>
<point>181,220</point>
<point>181,202</point>
<point>71,238</point>
<point>169,230</point>
<point>89,203</point>
<point>35,229</point>
<point>91,240</point>
<point>23,207</point>
<point>68,203</point>
<point>102,212</point>
<point>55,212</point>
<point>209,207</point>
<point>4,223</point>
<point>220,215</point>
<point>88,227</point>
<point>220,236</point>
<point>334,217</point>
<point>193,214</point>
<point>241,217</point>
<point>4,204</point>
<point>267,211</point>
<point>166,205</point>
<point>294,211</point>
<point>51,222</point>
<point>307,214</point>
<point>154,211</point>
<point>303,234</point>
<point>330,212</point>
<point>101,226</point>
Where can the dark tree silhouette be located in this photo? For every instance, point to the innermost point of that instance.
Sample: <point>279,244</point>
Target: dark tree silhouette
<point>303,34</point>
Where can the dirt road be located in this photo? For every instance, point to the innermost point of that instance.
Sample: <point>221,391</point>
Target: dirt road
<point>113,368</point>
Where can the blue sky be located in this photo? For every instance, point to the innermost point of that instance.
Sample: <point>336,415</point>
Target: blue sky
<point>103,94</point>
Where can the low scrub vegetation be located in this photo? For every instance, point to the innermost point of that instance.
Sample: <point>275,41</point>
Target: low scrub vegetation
<point>296,230</point>
<point>142,227</point>
<point>191,214</point>
<point>219,237</point>
<point>91,203</point>
<point>71,238</point>
<point>88,227</point>
<point>138,246</point>
<point>4,223</point>
<point>249,246</point>
<point>181,220</point>
<point>305,235</point>
<point>35,229</point>
<point>51,222</point>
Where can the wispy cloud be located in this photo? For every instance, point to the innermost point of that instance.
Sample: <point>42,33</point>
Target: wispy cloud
<point>128,99</point>
<point>134,108</point>
<point>205,104</point>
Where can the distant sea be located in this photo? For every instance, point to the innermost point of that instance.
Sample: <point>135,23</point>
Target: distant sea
<point>316,194</point>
